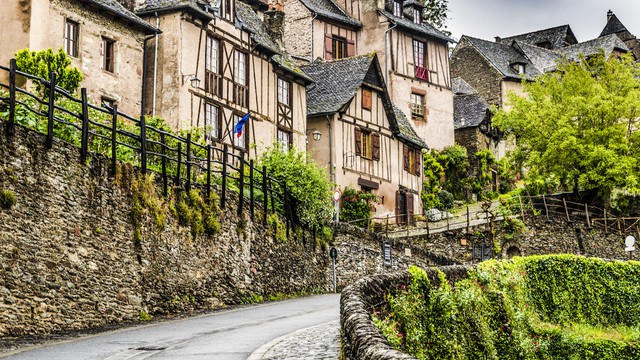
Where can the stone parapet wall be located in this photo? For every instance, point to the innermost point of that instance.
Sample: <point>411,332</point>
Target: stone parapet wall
<point>69,259</point>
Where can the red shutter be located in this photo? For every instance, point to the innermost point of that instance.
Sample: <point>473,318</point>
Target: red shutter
<point>358,136</point>
<point>410,208</point>
<point>328,44</point>
<point>375,154</point>
<point>417,164</point>
<point>351,48</point>
<point>405,156</point>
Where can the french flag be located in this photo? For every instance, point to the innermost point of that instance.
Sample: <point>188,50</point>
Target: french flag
<point>238,128</point>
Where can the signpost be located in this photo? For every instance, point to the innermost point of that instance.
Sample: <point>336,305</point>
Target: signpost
<point>386,254</point>
<point>334,255</point>
<point>336,204</point>
<point>629,242</point>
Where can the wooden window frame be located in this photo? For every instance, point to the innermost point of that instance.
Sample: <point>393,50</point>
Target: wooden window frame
<point>338,47</point>
<point>240,85</point>
<point>420,59</point>
<point>398,8</point>
<point>282,91</point>
<point>213,133</point>
<point>367,144</point>
<point>367,98</point>
<point>412,159</point>
<point>418,106</point>
<point>212,66</point>
<point>71,37</point>
<point>107,54</point>
<point>289,140</point>
<point>417,16</point>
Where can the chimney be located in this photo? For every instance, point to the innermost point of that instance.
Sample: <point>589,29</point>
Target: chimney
<point>274,20</point>
<point>498,38</point>
<point>609,15</point>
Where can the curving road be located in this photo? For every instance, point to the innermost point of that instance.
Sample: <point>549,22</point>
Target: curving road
<point>229,335</point>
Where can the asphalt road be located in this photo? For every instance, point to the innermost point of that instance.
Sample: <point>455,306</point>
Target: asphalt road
<point>228,335</point>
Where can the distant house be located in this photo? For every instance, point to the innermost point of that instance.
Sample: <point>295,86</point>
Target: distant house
<point>615,26</point>
<point>370,144</point>
<point>102,38</point>
<point>413,54</point>
<point>216,65</point>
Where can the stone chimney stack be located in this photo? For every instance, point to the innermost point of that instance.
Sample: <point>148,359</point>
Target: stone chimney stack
<point>498,38</point>
<point>274,20</point>
<point>609,15</point>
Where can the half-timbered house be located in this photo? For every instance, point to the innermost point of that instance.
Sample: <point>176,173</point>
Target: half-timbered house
<point>216,64</point>
<point>103,39</point>
<point>367,143</point>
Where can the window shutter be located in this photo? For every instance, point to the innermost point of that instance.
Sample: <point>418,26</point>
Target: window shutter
<point>405,156</point>
<point>358,136</point>
<point>410,208</point>
<point>328,44</point>
<point>417,165</point>
<point>375,154</point>
<point>398,210</point>
<point>351,48</point>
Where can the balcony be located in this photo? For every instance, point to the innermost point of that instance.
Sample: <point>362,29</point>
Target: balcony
<point>422,73</point>
<point>241,95</point>
<point>212,83</point>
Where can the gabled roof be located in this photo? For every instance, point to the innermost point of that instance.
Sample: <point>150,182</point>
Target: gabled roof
<point>469,110</point>
<point>115,8</point>
<point>609,43</point>
<point>338,81</point>
<point>461,87</point>
<point>614,25</point>
<point>424,28</point>
<point>198,8</point>
<point>544,60</point>
<point>557,37</point>
<point>328,9</point>
<point>503,57</point>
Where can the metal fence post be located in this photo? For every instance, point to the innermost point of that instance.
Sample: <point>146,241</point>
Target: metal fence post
<point>52,96</point>
<point>264,195</point>
<point>208,174</point>
<point>223,196</point>
<point>251,187</point>
<point>188,162</point>
<point>143,143</point>
<point>114,129</point>
<point>241,184</point>
<point>12,97</point>
<point>179,164</point>
<point>163,151</point>
<point>84,140</point>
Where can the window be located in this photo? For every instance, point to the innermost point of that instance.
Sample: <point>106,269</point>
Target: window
<point>412,160</point>
<point>284,139</point>
<point>106,102</point>
<point>211,121</point>
<point>417,105</point>
<point>284,92</point>
<point>240,79</point>
<point>417,16</point>
<point>211,63</point>
<point>366,98</point>
<point>71,38</point>
<point>106,54</point>
<point>338,47</point>
<point>367,144</point>
<point>240,142</point>
<point>397,8</point>
<point>419,60</point>
<point>520,69</point>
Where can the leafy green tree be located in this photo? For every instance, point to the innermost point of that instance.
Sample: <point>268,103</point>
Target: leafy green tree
<point>580,125</point>
<point>42,63</point>
<point>435,13</point>
<point>456,166</point>
<point>356,205</point>
<point>306,181</point>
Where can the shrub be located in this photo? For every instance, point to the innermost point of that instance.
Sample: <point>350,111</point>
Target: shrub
<point>7,199</point>
<point>356,205</point>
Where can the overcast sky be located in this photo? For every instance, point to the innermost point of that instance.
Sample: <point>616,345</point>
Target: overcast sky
<point>486,19</point>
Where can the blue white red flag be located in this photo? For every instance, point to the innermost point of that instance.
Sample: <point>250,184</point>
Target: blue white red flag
<point>238,128</point>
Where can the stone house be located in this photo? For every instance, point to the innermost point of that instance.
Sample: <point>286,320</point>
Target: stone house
<point>615,26</point>
<point>417,69</point>
<point>370,144</point>
<point>216,64</point>
<point>103,39</point>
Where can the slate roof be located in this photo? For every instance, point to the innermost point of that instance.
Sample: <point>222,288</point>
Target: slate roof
<point>196,7</point>
<point>328,9</point>
<point>614,25</point>
<point>461,87</point>
<point>424,28</point>
<point>558,37</point>
<point>543,59</point>
<point>608,42</point>
<point>502,57</point>
<point>250,22</point>
<point>115,8</point>
<point>338,81</point>
<point>468,111</point>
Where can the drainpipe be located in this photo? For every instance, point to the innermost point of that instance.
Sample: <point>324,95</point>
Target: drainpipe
<point>144,73</point>
<point>386,54</point>
<point>155,66</point>
<point>330,151</point>
<point>315,15</point>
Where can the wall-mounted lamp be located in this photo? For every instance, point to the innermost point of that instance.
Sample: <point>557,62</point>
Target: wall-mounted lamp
<point>195,82</point>
<point>316,134</point>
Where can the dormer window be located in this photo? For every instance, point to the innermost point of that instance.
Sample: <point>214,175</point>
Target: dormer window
<point>417,16</point>
<point>519,67</point>
<point>397,8</point>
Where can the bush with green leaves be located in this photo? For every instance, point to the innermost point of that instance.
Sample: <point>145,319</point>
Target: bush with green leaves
<point>540,307</point>
<point>43,63</point>
<point>356,205</point>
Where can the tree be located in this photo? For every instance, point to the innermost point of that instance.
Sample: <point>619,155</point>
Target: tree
<point>42,63</point>
<point>435,13</point>
<point>306,181</point>
<point>579,124</point>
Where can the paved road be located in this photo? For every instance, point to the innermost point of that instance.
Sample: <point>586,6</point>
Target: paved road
<point>228,335</point>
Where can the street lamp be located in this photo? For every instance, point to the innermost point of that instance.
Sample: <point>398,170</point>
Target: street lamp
<point>193,79</point>
<point>316,134</point>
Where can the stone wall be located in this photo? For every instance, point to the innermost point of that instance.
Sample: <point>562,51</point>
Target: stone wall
<point>468,64</point>
<point>69,259</point>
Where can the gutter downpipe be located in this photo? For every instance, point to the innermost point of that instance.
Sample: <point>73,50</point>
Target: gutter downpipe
<point>386,54</point>
<point>315,15</point>
<point>144,73</point>
<point>330,151</point>
<point>155,65</point>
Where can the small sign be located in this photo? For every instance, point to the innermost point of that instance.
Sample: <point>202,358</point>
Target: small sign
<point>333,253</point>
<point>386,253</point>
<point>629,242</point>
<point>336,196</point>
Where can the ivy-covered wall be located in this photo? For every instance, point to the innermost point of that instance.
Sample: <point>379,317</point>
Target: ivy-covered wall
<point>81,248</point>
